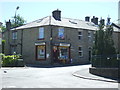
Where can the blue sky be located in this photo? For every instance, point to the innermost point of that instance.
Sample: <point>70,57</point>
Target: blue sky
<point>34,10</point>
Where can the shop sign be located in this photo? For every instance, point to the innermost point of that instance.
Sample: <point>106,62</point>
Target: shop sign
<point>64,44</point>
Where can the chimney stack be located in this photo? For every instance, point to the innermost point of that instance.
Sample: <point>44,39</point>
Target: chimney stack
<point>87,18</point>
<point>108,21</point>
<point>57,15</point>
<point>94,20</point>
<point>102,21</point>
<point>8,25</point>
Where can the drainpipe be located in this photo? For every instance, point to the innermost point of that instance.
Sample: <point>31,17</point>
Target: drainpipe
<point>22,42</point>
<point>51,45</point>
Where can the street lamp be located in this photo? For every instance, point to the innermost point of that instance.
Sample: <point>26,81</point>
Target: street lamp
<point>15,26</point>
<point>15,14</point>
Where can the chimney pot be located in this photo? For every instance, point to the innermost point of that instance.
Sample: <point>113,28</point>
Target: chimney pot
<point>87,18</point>
<point>94,20</point>
<point>57,14</point>
<point>8,25</point>
<point>102,21</point>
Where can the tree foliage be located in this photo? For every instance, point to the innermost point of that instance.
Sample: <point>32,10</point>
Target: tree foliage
<point>3,28</point>
<point>17,21</point>
<point>104,44</point>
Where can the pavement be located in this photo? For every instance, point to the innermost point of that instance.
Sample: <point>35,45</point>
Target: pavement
<point>84,73</point>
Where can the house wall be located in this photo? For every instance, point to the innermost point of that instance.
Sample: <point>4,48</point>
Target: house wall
<point>7,45</point>
<point>28,38</point>
<point>0,41</point>
<point>116,39</point>
<point>71,36</point>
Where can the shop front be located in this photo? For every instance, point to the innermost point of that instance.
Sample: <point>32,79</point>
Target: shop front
<point>61,53</point>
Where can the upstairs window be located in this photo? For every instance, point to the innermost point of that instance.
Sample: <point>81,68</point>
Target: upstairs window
<point>89,35</point>
<point>61,33</point>
<point>80,35</point>
<point>41,33</point>
<point>14,35</point>
<point>80,51</point>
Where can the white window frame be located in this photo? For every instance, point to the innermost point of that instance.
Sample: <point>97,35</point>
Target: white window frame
<point>80,51</point>
<point>89,36</point>
<point>14,35</point>
<point>41,33</point>
<point>80,35</point>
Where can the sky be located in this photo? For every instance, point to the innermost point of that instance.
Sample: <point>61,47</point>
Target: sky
<point>32,10</point>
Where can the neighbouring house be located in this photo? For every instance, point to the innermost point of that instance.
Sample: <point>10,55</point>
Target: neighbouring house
<point>116,37</point>
<point>53,39</point>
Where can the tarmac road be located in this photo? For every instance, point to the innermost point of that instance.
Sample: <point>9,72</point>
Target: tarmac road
<point>57,77</point>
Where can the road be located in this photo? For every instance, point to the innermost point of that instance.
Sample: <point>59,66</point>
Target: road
<point>57,77</point>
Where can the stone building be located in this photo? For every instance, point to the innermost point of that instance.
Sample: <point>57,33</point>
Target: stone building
<point>0,38</point>
<point>53,39</point>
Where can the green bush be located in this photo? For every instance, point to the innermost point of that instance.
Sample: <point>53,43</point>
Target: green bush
<point>10,60</point>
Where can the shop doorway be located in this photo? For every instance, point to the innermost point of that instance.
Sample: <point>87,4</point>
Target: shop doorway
<point>55,54</point>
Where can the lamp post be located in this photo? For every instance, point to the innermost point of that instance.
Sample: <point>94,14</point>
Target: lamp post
<point>15,15</point>
<point>15,26</point>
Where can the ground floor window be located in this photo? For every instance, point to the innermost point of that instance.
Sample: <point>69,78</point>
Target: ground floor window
<point>40,52</point>
<point>13,50</point>
<point>63,53</point>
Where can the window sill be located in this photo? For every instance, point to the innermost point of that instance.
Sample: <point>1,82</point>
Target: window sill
<point>80,56</point>
<point>41,38</point>
<point>40,59</point>
<point>61,38</point>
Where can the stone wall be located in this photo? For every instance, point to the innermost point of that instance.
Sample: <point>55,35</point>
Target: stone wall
<point>113,73</point>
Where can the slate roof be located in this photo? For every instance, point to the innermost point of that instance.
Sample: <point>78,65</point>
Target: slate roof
<point>116,29</point>
<point>65,22</point>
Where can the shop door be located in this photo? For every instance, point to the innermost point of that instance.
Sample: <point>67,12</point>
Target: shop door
<point>55,54</point>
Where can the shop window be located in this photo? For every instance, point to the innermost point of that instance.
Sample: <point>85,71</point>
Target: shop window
<point>63,53</point>
<point>61,33</point>
<point>41,33</point>
<point>14,35</point>
<point>41,52</point>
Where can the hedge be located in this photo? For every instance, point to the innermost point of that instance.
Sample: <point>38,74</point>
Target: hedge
<point>11,61</point>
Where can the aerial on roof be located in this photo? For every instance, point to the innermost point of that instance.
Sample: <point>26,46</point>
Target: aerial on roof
<point>64,22</point>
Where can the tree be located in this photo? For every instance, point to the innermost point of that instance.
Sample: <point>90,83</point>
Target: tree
<point>3,28</point>
<point>109,48</point>
<point>19,21</point>
<point>104,44</point>
<point>104,53</point>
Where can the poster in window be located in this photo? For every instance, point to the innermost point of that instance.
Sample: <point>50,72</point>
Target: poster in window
<point>41,52</point>
<point>61,33</point>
